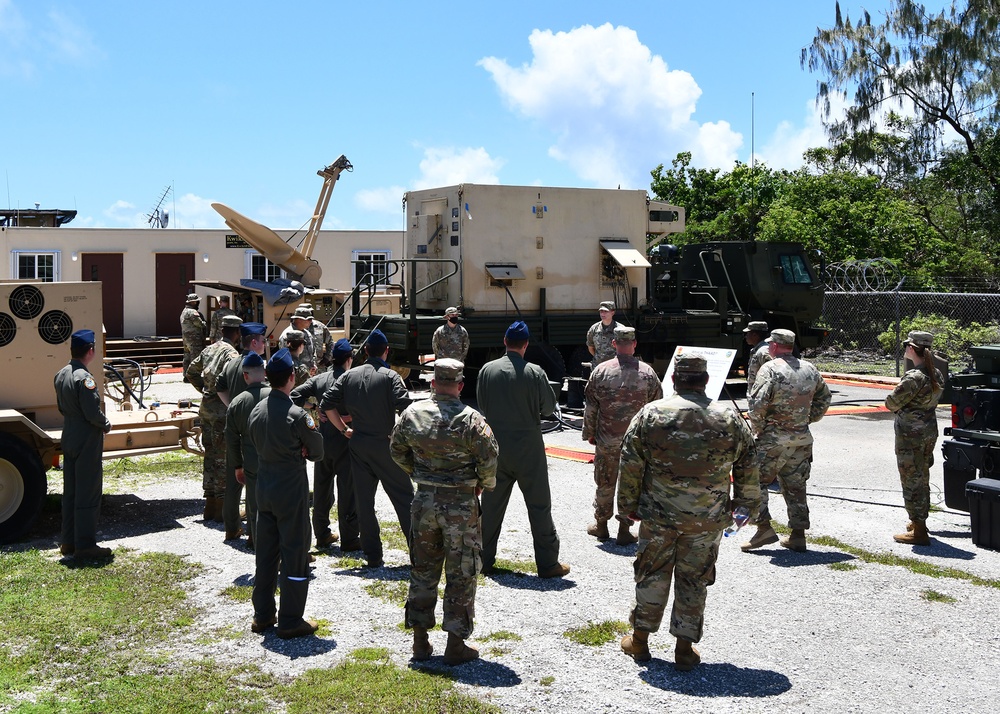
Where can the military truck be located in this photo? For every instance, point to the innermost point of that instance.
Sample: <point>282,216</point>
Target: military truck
<point>36,322</point>
<point>973,451</point>
<point>549,256</point>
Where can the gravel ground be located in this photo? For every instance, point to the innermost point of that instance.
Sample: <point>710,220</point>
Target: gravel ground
<point>783,630</point>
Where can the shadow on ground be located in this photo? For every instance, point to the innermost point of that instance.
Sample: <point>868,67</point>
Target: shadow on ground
<point>715,680</point>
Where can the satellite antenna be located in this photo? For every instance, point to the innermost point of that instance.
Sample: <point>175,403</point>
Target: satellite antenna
<point>159,217</point>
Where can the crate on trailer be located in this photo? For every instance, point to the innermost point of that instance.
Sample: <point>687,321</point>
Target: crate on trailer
<point>984,510</point>
<point>986,357</point>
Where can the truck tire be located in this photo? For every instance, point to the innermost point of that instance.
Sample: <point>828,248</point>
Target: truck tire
<point>548,358</point>
<point>22,487</point>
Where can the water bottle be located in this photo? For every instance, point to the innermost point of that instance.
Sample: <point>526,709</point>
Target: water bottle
<point>740,518</point>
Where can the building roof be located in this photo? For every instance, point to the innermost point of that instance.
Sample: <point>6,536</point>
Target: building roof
<point>35,217</point>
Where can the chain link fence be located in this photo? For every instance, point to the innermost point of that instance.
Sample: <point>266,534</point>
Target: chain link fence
<point>866,327</point>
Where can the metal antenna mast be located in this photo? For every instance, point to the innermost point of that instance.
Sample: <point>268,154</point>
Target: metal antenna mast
<point>159,217</point>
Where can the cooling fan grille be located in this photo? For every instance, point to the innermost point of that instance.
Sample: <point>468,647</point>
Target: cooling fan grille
<point>55,327</point>
<point>26,302</point>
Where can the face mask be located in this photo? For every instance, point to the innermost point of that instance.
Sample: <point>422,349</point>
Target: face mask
<point>453,320</point>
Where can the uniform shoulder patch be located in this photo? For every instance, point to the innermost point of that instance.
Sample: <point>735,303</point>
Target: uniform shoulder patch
<point>310,422</point>
<point>89,383</point>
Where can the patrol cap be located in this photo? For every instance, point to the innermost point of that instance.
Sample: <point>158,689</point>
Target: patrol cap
<point>81,338</point>
<point>517,332</point>
<point>377,339</point>
<point>689,363</point>
<point>253,360</point>
<point>756,326</point>
<point>281,361</point>
<point>342,348</point>
<point>451,311</point>
<point>447,369</point>
<point>231,321</point>
<point>607,305</point>
<point>252,328</point>
<point>193,297</point>
<point>783,337</point>
<point>919,338</point>
<point>624,333</point>
<point>295,336</point>
<point>303,312</point>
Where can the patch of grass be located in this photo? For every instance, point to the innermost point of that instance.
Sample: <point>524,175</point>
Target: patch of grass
<point>915,565</point>
<point>71,624</point>
<point>239,593</point>
<point>497,651</point>
<point>122,475</point>
<point>392,536</point>
<point>935,596</point>
<point>347,562</point>
<point>392,591</point>
<point>518,567</point>
<point>371,654</point>
<point>596,634</point>
<point>501,635</point>
<point>547,681</point>
<point>843,566</point>
<point>379,686</point>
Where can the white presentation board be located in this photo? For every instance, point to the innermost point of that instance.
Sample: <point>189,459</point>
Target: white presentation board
<point>719,363</point>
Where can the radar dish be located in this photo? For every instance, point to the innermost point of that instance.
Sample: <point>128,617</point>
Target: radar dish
<point>55,327</point>
<point>26,302</point>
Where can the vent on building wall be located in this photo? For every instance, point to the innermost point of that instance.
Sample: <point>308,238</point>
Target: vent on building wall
<point>8,329</point>
<point>55,327</point>
<point>26,302</point>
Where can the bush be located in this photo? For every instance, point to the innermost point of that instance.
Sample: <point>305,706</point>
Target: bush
<point>952,339</point>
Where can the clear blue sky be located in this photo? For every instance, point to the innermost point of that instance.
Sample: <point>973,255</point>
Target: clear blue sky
<point>106,103</point>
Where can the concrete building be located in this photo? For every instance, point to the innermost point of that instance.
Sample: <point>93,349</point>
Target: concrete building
<point>146,272</point>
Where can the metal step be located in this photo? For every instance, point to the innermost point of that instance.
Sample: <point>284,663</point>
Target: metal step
<point>166,352</point>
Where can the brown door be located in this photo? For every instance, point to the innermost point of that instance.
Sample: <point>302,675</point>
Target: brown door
<point>108,268</point>
<point>174,271</point>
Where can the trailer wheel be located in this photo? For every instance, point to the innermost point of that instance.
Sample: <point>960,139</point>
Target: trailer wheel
<point>22,488</point>
<point>548,358</point>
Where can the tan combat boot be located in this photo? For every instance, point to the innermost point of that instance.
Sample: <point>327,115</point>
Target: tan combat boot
<point>457,652</point>
<point>796,541</point>
<point>422,648</point>
<point>765,535</point>
<point>917,535</point>
<point>625,536</point>
<point>686,657</point>
<point>217,512</point>
<point>636,646</point>
<point>599,530</point>
<point>209,508</point>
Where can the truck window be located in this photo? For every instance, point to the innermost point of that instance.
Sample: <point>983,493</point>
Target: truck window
<point>794,270</point>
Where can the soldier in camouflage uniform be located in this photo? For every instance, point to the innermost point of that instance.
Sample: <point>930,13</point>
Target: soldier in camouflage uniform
<point>675,466</point>
<point>915,400</point>
<point>301,320</point>
<point>448,449</point>
<point>615,392</point>
<point>295,342</point>
<point>788,395</point>
<point>203,372</point>
<point>192,331</point>
<point>451,339</point>
<point>241,456</point>
<point>215,332</point>
<point>755,335</point>
<point>601,333</point>
<point>323,342</point>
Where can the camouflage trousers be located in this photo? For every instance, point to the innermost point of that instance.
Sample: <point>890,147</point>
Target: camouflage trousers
<point>687,558</point>
<point>606,460</point>
<point>213,439</point>
<point>192,349</point>
<point>445,530</point>
<point>790,465</point>
<point>914,458</point>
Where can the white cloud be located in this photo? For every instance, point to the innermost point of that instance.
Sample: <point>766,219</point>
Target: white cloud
<point>191,211</point>
<point>57,37</point>
<point>616,109</point>
<point>381,200</point>
<point>123,214</point>
<point>446,166</point>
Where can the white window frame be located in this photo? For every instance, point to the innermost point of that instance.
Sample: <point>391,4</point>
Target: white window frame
<point>250,255</point>
<point>373,256</point>
<point>15,264</point>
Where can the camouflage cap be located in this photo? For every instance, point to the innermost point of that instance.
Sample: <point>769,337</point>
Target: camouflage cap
<point>231,321</point>
<point>607,305</point>
<point>451,311</point>
<point>295,336</point>
<point>624,333</point>
<point>447,369</point>
<point>756,326</point>
<point>690,363</point>
<point>193,297</point>
<point>919,338</point>
<point>783,337</point>
<point>303,312</point>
